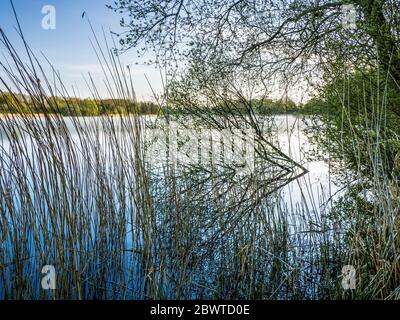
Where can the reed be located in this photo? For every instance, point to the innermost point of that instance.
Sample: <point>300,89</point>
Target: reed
<point>79,193</point>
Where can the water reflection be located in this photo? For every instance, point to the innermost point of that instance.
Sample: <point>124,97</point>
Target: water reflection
<point>123,208</point>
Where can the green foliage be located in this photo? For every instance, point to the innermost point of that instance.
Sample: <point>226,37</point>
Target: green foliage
<point>282,106</point>
<point>75,106</point>
<point>360,131</point>
<point>315,106</point>
<point>12,103</point>
<point>361,111</point>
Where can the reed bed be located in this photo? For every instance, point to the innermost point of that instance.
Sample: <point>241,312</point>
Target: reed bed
<point>81,194</point>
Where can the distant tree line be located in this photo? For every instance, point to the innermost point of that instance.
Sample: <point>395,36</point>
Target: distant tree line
<point>89,107</point>
<point>17,103</point>
<point>267,106</point>
<point>288,106</point>
<point>262,106</point>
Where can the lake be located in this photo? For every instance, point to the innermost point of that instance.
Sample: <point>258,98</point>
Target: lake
<point>141,207</point>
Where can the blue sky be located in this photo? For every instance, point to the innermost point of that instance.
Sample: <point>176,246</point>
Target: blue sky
<point>68,46</point>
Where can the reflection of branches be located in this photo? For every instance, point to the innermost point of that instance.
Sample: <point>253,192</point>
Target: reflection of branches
<point>219,189</point>
<point>226,107</point>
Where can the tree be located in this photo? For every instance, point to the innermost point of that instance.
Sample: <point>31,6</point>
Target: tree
<point>289,38</point>
<point>225,43</point>
<point>89,107</point>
